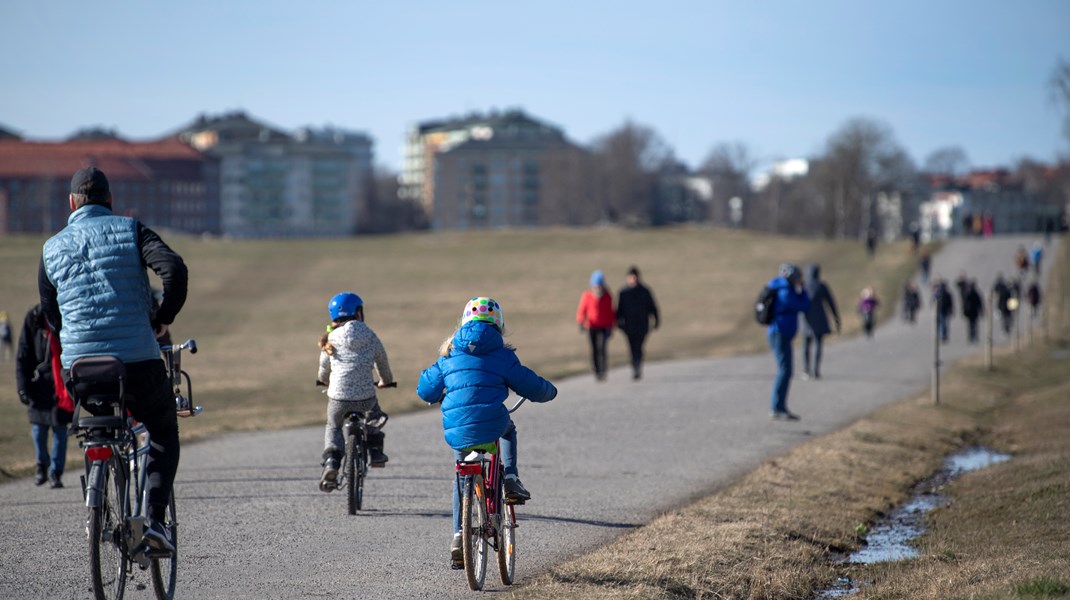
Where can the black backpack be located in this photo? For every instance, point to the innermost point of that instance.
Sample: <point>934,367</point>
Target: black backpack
<point>765,306</point>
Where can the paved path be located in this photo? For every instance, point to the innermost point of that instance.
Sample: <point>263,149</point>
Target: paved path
<point>599,460</point>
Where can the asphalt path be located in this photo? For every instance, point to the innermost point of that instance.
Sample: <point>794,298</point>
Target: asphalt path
<point>600,460</point>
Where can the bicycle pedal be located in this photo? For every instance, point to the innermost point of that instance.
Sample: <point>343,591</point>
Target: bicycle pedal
<point>456,566</point>
<point>515,501</point>
<point>378,465</point>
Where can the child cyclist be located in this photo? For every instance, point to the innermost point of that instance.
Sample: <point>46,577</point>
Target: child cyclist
<point>351,356</point>
<point>472,379</point>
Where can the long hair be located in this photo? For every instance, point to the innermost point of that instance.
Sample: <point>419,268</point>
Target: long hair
<point>325,343</point>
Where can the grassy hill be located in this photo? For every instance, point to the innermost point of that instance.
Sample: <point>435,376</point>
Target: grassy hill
<point>257,308</point>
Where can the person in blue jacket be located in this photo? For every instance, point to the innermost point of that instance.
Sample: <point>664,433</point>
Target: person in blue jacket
<point>791,299</point>
<point>472,379</point>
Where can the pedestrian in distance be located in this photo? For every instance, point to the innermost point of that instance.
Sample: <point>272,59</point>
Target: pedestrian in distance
<point>972,309</point>
<point>1033,297</point>
<point>925,263</point>
<point>1021,261</point>
<point>596,316</point>
<point>816,322</point>
<point>911,302</point>
<point>472,378</point>
<point>353,363</point>
<point>867,308</point>
<point>944,306</point>
<point>915,238</point>
<point>6,348</point>
<point>635,308</point>
<point>1036,254</point>
<point>1003,295</point>
<point>871,242</point>
<point>95,295</point>
<point>48,406</point>
<point>791,299</point>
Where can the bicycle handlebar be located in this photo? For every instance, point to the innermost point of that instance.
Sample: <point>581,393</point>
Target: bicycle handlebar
<point>517,405</point>
<point>392,384</point>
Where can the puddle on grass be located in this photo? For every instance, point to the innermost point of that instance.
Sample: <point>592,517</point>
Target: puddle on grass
<point>889,540</point>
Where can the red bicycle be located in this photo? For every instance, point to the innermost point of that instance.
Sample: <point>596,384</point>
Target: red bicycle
<point>487,520</point>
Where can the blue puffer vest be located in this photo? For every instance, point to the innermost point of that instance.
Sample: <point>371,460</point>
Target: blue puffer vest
<point>102,287</point>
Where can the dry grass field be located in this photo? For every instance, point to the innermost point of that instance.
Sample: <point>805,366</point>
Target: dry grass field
<point>775,533</point>
<point>257,308</point>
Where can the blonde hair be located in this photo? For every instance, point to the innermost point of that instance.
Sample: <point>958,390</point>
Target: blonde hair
<point>325,342</point>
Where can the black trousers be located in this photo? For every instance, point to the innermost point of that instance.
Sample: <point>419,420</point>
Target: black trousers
<point>599,361</point>
<point>635,345</point>
<point>154,405</point>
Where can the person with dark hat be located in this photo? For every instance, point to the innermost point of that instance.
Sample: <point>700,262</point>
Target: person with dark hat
<point>635,308</point>
<point>95,294</point>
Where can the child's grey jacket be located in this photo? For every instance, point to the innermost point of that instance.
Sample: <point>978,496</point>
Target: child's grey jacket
<point>359,360</point>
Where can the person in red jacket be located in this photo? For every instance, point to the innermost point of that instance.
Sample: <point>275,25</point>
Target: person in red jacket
<point>596,315</point>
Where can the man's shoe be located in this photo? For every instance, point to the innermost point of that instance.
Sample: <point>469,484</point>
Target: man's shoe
<point>158,538</point>
<point>329,480</point>
<point>456,552</point>
<point>378,459</point>
<point>54,481</point>
<point>790,416</point>
<point>806,375</point>
<point>42,475</point>
<point>514,491</point>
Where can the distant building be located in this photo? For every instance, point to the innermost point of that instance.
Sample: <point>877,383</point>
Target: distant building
<point>958,206</point>
<point>272,183</point>
<point>497,170</point>
<point>164,183</point>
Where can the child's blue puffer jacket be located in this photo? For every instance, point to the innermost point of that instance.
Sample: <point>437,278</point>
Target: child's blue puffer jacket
<point>473,382</point>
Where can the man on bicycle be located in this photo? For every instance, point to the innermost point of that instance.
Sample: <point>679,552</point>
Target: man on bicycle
<point>95,292</point>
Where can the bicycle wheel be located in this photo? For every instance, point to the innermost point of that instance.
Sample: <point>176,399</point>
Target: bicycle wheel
<point>165,570</point>
<point>506,537</point>
<point>473,526</point>
<point>354,473</point>
<point>107,539</point>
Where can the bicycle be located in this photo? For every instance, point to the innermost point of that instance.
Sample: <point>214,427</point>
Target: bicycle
<point>356,460</point>
<point>115,481</point>
<point>487,518</point>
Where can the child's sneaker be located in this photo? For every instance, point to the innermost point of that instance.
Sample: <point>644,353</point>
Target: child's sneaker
<point>515,493</point>
<point>329,480</point>
<point>456,552</point>
<point>378,459</point>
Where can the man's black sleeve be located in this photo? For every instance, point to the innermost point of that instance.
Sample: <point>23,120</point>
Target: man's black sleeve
<point>166,263</point>
<point>49,301</point>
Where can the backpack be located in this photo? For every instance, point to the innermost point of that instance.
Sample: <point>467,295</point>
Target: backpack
<point>765,305</point>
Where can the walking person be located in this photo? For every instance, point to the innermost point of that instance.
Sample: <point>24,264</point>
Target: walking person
<point>867,308</point>
<point>6,348</point>
<point>816,322</point>
<point>635,308</point>
<point>1036,254</point>
<point>791,299</point>
<point>596,316</point>
<point>95,294</point>
<point>925,263</point>
<point>944,306</point>
<point>48,406</point>
<point>911,302</point>
<point>1003,302</point>
<point>972,309</point>
<point>1033,297</point>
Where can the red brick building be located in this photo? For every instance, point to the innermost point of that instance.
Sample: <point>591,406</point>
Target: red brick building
<point>166,183</point>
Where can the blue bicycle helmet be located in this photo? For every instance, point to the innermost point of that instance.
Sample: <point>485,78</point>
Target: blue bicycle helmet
<point>344,305</point>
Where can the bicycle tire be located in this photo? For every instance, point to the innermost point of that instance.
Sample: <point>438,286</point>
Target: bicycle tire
<point>108,563</point>
<point>165,570</point>
<point>354,476</point>
<point>473,540</point>
<point>506,536</point>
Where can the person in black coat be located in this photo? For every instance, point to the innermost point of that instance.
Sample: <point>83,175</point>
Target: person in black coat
<point>816,323</point>
<point>38,392</point>
<point>635,308</point>
<point>972,308</point>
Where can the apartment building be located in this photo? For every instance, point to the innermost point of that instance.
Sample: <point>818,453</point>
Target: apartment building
<point>497,170</point>
<point>273,183</point>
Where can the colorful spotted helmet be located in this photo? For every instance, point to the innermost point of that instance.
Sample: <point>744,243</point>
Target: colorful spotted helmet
<point>486,310</point>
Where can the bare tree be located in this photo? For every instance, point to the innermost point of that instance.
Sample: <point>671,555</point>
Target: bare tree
<point>628,160</point>
<point>728,165</point>
<point>948,160</point>
<point>384,211</point>
<point>861,159</point>
<point>1060,92</point>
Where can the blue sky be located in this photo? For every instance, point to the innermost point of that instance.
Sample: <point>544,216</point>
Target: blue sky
<point>778,75</point>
